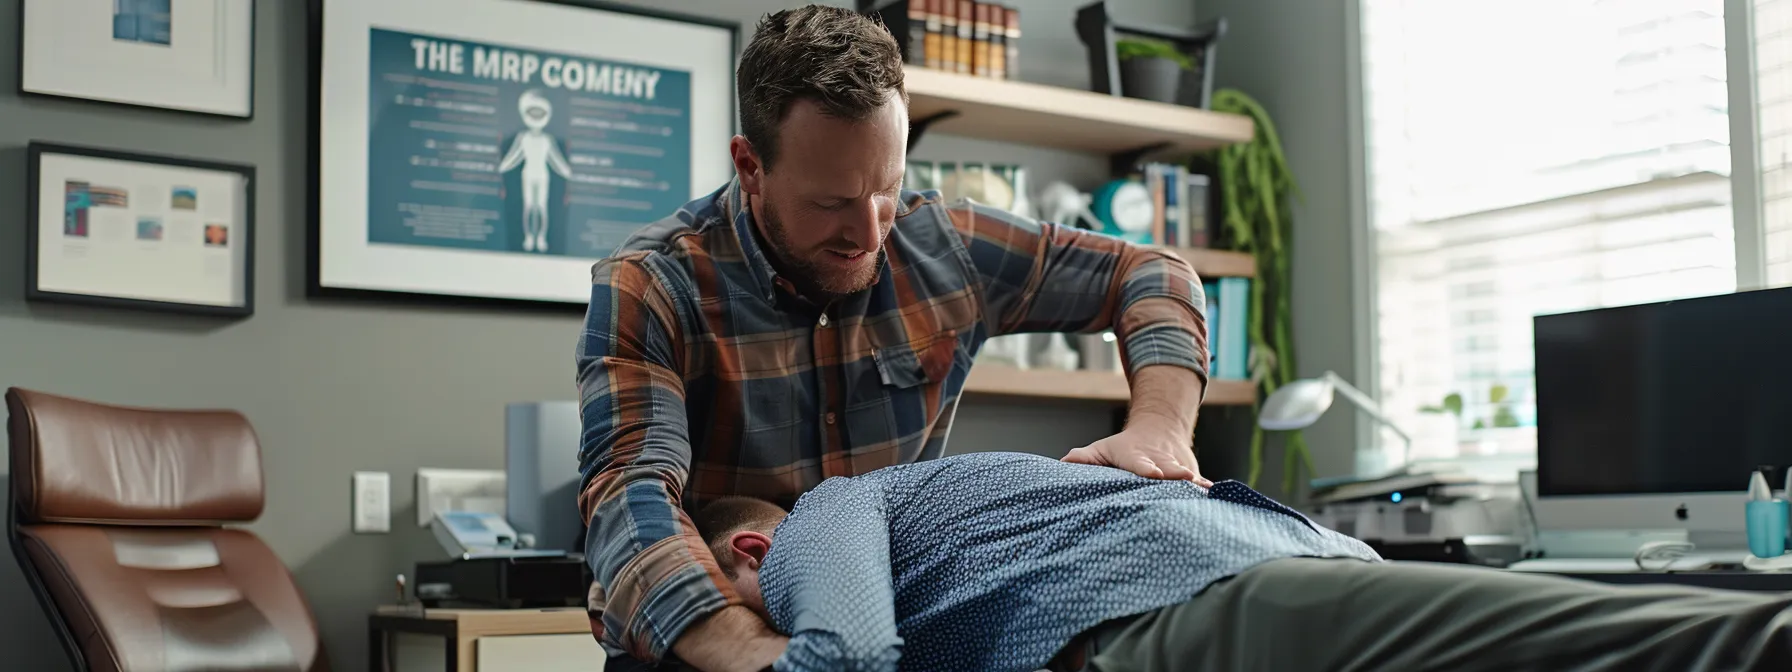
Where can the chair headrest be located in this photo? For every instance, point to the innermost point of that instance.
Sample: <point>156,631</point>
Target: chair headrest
<point>76,461</point>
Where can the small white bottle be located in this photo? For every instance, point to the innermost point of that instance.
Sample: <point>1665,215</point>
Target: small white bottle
<point>1758,490</point>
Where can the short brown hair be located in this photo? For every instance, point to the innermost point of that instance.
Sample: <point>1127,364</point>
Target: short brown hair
<point>847,62</point>
<point>728,515</point>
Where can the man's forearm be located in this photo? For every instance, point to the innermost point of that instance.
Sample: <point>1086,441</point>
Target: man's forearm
<point>1163,345</point>
<point>1165,397</point>
<point>734,639</point>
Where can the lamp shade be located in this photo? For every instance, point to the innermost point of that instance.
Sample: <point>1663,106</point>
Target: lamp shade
<point>1296,405</point>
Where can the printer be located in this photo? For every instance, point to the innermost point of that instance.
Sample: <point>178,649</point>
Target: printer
<point>1435,517</point>
<point>489,567</point>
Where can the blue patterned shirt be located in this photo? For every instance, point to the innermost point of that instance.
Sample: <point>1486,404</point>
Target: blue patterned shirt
<point>994,561</point>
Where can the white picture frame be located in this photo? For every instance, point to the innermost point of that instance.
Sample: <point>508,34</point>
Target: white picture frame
<point>193,56</point>
<point>127,230</point>
<point>422,176</point>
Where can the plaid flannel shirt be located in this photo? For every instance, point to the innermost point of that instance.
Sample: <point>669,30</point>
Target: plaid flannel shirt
<point>702,374</point>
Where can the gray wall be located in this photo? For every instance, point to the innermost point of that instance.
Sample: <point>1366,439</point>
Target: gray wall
<point>1291,55</point>
<point>332,387</point>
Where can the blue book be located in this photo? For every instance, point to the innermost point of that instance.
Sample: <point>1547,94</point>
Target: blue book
<point>1212,289</point>
<point>1235,337</point>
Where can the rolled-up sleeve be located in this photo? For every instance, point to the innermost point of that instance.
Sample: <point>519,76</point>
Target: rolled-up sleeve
<point>653,576</point>
<point>1042,277</point>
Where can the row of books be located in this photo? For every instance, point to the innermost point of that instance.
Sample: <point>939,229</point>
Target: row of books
<point>1180,200</point>
<point>1228,328</point>
<point>962,36</point>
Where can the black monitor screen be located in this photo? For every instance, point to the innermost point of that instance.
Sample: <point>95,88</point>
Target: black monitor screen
<point>1681,396</point>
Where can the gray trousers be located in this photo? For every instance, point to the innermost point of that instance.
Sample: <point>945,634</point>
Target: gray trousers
<point>1305,614</point>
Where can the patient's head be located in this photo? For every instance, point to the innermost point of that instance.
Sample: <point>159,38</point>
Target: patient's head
<point>738,531</point>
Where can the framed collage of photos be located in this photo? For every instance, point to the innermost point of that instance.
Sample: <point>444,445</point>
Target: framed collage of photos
<point>492,150</point>
<point>132,230</point>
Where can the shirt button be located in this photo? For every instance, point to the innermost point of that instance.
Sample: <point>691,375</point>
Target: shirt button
<point>830,417</point>
<point>824,319</point>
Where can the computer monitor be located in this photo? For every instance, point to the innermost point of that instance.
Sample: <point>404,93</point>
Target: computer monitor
<point>541,473</point>
<point>1654,416</point>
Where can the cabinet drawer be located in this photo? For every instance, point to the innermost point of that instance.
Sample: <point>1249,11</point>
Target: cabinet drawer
<point>539,653</point>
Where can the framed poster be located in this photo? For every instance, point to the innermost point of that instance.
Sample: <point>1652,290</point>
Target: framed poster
<point>493,150</point>
<point>132,230</point>
<point>186,55</point>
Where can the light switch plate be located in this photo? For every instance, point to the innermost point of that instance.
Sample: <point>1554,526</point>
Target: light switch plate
<point>373,502</point>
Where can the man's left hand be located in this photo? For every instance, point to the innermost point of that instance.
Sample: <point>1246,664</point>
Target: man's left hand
<point>1148,451</point>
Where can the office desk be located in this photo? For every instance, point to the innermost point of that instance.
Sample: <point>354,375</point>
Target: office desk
<point>1770,582</point>
<point>1623,571</point>
<point>482,640</point>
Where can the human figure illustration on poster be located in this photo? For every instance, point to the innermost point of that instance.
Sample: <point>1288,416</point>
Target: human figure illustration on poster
<point>499,149</point>
<point>536,151</point>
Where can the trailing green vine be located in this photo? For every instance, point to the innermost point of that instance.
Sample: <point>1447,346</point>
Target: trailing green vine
<point>1255,189</point>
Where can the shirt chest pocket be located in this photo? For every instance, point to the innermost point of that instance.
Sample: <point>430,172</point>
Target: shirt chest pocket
<point>895,395</point>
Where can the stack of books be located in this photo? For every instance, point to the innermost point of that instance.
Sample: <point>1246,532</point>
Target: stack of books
<point>1179,199</point>
<point>1228,328</point>
<point>981,39</point>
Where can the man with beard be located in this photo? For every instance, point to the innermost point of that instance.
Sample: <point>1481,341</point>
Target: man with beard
<point>813,319</point>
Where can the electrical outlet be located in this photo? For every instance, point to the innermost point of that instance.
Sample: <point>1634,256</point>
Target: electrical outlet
<point>373,502</point>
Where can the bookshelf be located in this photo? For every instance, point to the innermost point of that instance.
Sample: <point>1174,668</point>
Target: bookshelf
<point>1061,117</point>
<point>1005,381</point>
<point>1065,118</point>
<point>996,380</point>
<point>1218,263</point>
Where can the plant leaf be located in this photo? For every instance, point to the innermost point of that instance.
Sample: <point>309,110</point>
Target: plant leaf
<point>1453,402</point>
<point>1133,47</point>
<point>1256,457</point>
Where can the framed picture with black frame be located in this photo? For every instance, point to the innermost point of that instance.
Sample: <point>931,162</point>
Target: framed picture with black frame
<point>193,56</point>
<point>120,229</point>
<point>490,151</point>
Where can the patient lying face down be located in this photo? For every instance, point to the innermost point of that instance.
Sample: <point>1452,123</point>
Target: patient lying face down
<point>1015,562</point>
<point>739,532</point>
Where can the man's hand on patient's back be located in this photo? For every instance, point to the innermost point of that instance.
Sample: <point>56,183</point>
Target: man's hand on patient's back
<point>734,639</point>
<point>1158,441</point>
<point>1148,452</point>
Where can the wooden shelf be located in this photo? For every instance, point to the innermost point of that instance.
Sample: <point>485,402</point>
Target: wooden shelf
<point>1006,381</point>
<point>1231,393</point>
<point>1218,263</point>
<point>1055,116</point>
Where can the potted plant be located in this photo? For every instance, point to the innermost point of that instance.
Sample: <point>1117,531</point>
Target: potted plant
<point>1150,69</point>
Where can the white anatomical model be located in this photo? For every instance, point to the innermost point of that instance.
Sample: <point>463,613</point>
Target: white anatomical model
<point>536,151</point>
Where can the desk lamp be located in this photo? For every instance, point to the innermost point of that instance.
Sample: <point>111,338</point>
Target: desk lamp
<point>1299,404</point>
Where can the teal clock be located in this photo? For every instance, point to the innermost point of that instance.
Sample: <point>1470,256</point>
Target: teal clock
<point>1125,210</point>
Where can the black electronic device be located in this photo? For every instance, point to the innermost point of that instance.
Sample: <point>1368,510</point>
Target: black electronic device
<point>1686,396</point>
<point>507,583</point>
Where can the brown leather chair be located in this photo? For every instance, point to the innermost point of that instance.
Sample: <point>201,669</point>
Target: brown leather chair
<point>118,519</point>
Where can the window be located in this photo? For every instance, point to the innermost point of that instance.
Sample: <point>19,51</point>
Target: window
<point>1773,65</point>
<point>1536,156</point>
